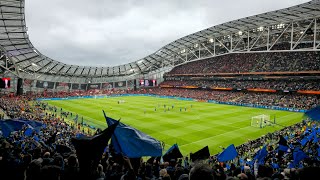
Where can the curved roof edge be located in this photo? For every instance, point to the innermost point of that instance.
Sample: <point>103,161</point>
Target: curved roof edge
<point>224,37</point>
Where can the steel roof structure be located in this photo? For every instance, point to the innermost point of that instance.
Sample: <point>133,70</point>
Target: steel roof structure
<point>294,25</point>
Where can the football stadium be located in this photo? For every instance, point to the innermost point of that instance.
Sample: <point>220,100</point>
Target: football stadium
<point>238,100</point>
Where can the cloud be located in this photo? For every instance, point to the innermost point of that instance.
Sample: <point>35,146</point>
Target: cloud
<point>111,33</point>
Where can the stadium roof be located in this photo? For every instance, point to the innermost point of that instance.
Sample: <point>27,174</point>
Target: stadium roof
<point>25,57</point>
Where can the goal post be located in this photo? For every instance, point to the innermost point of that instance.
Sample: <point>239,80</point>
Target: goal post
<point>261,121</point>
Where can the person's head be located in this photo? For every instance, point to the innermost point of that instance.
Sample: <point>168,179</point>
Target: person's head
<point>100,168</point>
<point>72,161</point>
<point>166,177</point>
<point>58,160</point>
<point>46,155</point>
<point>184,177</point>
<point>201,171</point>
<point>242,176</point>
<point>163,172</point>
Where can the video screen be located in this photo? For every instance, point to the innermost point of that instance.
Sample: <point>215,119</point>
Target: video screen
<point>147,82</point>
<point>5,83</point>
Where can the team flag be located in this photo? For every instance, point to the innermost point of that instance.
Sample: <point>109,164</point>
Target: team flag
<point>261,154</point>
<point>298,155</point>
<point>11,125</point>
<point>313,113</point>
<point>228,154</point>
<point>89,149</point>
<point>201,154</point>
<point>133,143</point>
<point>172,153</point>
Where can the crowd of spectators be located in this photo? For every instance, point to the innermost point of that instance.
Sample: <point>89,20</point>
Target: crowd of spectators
<point>38,156</point>
<point>268,99</point>
<point>62,94</point>
<point>253,62</point>
<point>265,84</point>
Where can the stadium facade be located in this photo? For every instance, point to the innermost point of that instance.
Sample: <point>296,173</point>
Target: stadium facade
<point>297,26</point>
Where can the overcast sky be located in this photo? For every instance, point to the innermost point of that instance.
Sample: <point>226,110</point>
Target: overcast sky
<point>108,33</point>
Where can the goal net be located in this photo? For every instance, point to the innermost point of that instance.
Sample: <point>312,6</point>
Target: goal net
<point>261,121</point>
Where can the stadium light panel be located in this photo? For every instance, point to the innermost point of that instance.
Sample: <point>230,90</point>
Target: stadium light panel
<point>139,62</point>
<point>35,51</point>
<point>240,33</point>
<point>279,26</point>
<point>211,40</point>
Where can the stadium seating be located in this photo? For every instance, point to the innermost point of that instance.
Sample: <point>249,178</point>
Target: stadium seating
<point>253,62</point>
<point>48,153</point>
<point>35,156</point>
<point>265,84</point>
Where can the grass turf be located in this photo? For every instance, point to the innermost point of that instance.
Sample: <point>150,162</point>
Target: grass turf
<point>200,125</point>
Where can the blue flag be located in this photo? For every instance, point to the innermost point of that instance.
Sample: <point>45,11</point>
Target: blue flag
<point>304,141</point>
<point>261,154</point>
<point>314,113</point>
<point>314,135</point>
<point>33,123</point>
<point>228,154</point>
<point>283,144</point>
<point>275,165</point>
<point>172,153</point>
<point>11,125</point>
<point>283,148</point>
<point>298,155</point>
<point>28,132</point>
<point>132,142</point>
<point>36,138</point>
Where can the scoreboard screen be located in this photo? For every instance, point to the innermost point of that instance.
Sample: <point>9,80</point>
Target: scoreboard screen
<point>5,83</point>
<point>147,82</point>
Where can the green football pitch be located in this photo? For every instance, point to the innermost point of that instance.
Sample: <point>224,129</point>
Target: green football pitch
<point>201,124</point>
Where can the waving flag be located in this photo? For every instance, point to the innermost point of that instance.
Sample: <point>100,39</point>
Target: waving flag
<point>283,144</point>
<point>298,155</point>
<point>89,149</point>
<point>132,142</point>
<point>261,154</point>
<point>11,125</point>
<point>313,113</point>
<point>228,154</point>
<point>28,131</point>
<point>172,153</point>
<point>201,154</point>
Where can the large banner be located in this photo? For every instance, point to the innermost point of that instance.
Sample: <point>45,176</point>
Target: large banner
<point>107,85</point>
<point>94,86</point>
<point>63,86</point>
<point>120,84</point>
<point>45,84</point>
